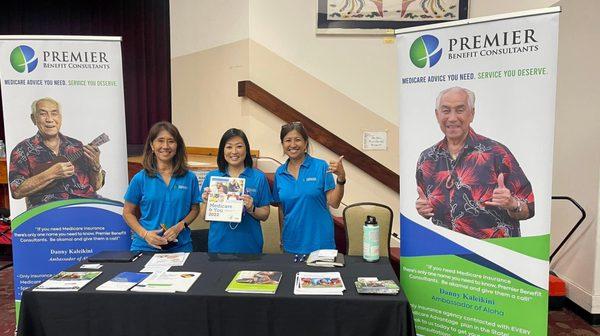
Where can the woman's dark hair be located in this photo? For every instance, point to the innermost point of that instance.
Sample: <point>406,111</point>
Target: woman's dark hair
<point>180,166</point>
<point>294,126</point>
<point>230,133</point>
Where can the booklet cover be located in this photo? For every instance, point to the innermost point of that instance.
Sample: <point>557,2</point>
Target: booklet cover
<point>260,282</point>
<point>376,287</point>
<point>319,283</point>
<point>167,282</point>
<point>67,281</point>
<point>122,282</point>
<point>224,199</point>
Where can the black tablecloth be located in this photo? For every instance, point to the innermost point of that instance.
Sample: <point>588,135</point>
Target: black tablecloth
<point>206,309</point>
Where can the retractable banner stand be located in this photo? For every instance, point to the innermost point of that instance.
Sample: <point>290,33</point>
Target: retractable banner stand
<point>477,102</point>
<point>64,121</point>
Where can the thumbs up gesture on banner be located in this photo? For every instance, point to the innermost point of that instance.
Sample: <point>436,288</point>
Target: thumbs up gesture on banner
<point>501,196</point>
<point>424,207</point>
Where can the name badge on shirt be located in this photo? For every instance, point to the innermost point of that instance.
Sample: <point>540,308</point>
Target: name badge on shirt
<point>310,179</point>
<point>182,187</point>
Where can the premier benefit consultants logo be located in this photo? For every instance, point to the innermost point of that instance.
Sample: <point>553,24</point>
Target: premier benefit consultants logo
<point>23,59</point>
<point>425,51</point>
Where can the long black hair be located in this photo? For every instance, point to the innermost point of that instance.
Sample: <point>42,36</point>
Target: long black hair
<point>230,133</point>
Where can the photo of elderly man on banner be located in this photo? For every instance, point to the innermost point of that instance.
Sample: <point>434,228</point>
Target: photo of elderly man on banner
<point>476,125</point>
<point>467,182</point>
<point>51,166</point>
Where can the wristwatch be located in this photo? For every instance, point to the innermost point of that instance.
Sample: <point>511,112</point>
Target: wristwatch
<point>518,208</point>
<point>340,182</point>
<point>185,224</point>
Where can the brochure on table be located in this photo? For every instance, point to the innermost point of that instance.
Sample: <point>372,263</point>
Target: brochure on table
<point>260,282</point>
<point>319,283</point>
<point>326,258</point>
<point>167,282</point>
<point>67,281</point>
<point>376,286</point>
<point>122,282</point>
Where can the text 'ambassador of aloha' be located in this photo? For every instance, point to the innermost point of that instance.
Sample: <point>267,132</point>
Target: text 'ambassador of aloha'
<point>467,182</point>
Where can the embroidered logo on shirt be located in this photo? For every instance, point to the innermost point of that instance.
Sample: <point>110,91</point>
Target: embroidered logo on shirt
<point>310,179</point>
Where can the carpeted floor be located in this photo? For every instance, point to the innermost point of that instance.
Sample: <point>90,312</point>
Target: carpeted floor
<point>560,323</point>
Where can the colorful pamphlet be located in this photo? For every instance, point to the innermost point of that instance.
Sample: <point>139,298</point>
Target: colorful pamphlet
<point>375,286</point>
<point>67,281</point>
<point>260,282</point>
<point>167,282</point>
<point>319,283</point>
<point>225,202</point>
<point>122,282</point>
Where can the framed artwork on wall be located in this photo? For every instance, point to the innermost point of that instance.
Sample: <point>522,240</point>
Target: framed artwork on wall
<point>382,17</point>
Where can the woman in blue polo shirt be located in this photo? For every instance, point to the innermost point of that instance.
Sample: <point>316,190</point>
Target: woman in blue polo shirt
<point>304,188</point>
<point>234,160</point>
<point>165,192</point>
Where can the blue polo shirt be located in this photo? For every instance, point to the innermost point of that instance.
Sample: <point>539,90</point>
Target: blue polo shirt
<point>246,236</point>
<point>160,203</point>
<point>307,224</point>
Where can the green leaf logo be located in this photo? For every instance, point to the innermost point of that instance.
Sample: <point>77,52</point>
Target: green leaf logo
<point>23,59</point>
<point>425,51</point>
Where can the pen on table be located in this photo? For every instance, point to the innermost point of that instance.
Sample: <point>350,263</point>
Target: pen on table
<point>303,258</point>
<point>137,256</point>
<point>296,258</point>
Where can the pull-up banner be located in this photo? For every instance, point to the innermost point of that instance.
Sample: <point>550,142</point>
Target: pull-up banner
<point>477,101</point>
<point>64,120</point>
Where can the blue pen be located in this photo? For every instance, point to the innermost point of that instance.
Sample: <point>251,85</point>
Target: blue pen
<point>303,258</point>
<point>296,258</point>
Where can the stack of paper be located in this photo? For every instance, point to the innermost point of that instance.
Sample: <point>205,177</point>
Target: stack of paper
<point>161,262</point>
<point>325,258</point>
<point>167,282</point>
<point>67,281</point>
<point>376,286</point>
<point>260,282</point>
<point>122,282</point>
<point>319,283</point>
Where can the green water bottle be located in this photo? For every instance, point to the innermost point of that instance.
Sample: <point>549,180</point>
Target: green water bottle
<point>371,240</point>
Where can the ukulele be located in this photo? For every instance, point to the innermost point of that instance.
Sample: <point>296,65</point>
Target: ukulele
<point>72,157</point>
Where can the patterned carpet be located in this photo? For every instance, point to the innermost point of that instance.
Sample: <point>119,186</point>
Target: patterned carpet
<point>560,323</point>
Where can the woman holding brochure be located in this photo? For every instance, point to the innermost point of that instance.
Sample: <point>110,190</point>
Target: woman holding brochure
<point>166,193</point>
<point>234,161</point>
<point>304,188</point>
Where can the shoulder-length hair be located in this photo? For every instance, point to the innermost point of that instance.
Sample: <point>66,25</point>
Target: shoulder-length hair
<point>180,166</point>
<point>230,133</point>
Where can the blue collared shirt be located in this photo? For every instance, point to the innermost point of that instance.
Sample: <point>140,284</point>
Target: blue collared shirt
<point>246,236</point>
<point>160,203</point>
<point>307,225</point>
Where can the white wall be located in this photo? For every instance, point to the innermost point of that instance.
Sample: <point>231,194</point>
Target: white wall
<point>198,25</point>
